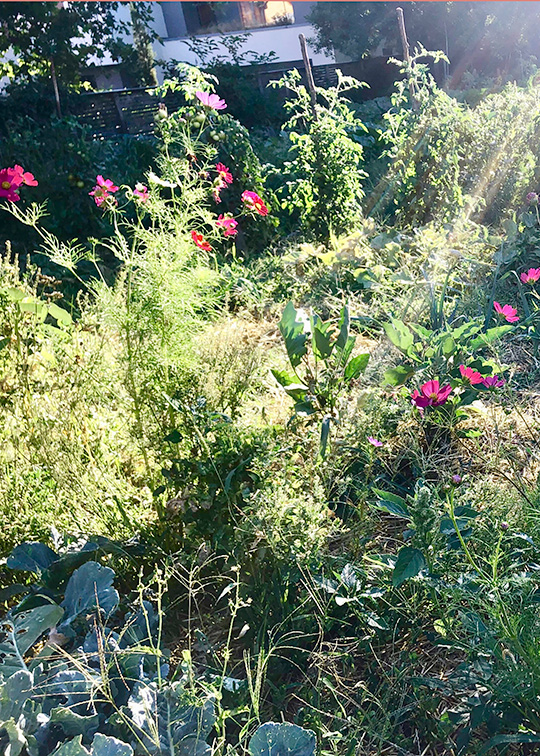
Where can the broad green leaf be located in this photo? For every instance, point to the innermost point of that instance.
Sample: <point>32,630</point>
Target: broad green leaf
<point>14,692</point>
<point>304,409</point>
<point>387,496</point>
<point>398,333</point>
<point>71,748</point>
<point>393,509</point>
<point>61,315</point>
<point>16,737</point>
<point>346,353</point>
<point>356,366</point>
<point>322,347</point>
<point>104,745</point>
<point>73,723</point>
<point>284,378</point>
<point>448,346</point>
<point>518,737</point>
<point>344,326</point>
<point>397,376</point>
<point>32,557</point>
<point>169,723</point>
<point>14,294</point>
<point>22,631</point>
<point>88,588</point>
<point>292,328</point>
<point>272,739</point>
<point>410,562</point>
<point>491,335</point>
<point>33,306</point>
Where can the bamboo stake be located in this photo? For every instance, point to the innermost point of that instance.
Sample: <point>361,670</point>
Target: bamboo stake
<point>406,55</point>
<point>309,74</point>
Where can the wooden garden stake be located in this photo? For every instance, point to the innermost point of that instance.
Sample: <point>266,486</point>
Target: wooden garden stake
<point>309,74</point>
<point>406,55</point>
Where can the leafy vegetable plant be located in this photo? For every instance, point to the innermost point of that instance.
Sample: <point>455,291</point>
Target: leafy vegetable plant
<point>323,367</point>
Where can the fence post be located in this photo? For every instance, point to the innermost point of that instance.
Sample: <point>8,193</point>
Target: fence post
<point>309,74</point>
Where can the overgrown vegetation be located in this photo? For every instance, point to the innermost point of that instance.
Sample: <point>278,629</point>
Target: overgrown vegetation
<point>268,445</point>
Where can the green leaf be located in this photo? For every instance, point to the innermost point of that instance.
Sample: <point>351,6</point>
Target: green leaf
<point>15,295</point>
<point>356,366</point>
<point>387,496</point>
<point>322,348</point>
<point>88,588</point>
<point>410,562</point>
<point>491,335</point>
<point>33,306</point>
<point>16,737</point>
<point>31,556</point>
<point>174,437</point>
<point>71,748</point>
<point>22,631</point>
<point>398,333</point>
<point>272,739</point>
<point>103,745</point>
<point>397,376</point>
<point>325,433</point>
<point>344,327</point>
<point>393,509</point>
<point>73,723</point>
<point>293,330</point>
<point>61,315</point>
<point>518,737</point>
<point>448,346</point>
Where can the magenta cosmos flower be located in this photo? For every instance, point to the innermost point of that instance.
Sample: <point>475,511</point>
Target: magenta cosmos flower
<point>470,376</point>
<point>25,176</point>
<point>532,198</point>
<point>228,225</point>
<point>103,191</point>
<point>253,202</point>
<point>431,394</point>
<point>11,179</point>
<point>224,174</point>
<point>374,441</point>
<point>493,381</point>
<point>531,276</point>
<point>507,312</point>
<point>141,191</point>
<point>211,100</point>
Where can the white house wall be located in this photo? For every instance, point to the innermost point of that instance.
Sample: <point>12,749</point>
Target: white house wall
<point>282,40</point>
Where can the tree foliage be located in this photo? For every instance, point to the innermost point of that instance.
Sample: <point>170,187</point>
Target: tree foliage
<point>68,35</point>
<point>491,37</point>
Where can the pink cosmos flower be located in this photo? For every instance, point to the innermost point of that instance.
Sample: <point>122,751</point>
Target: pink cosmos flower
<point>254,203</point>
<point>200,241</point>
<point>103,191</point>
<point>374,442</point>
<point>224,174</point>
<point>10,181</point>
<point>26,177</point>
<point>493,381</point>
<point>141,191</point>
<point>531,276</point>
<point>431,394</point>
<point>211,100</point>
<point>228,225</point>
<point>507,312</point>
<point>470,376</point>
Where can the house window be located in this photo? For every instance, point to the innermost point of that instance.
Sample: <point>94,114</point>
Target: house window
<point>211,17</point>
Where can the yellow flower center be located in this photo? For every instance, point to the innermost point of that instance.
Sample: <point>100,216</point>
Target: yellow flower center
<point>6,185</point>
